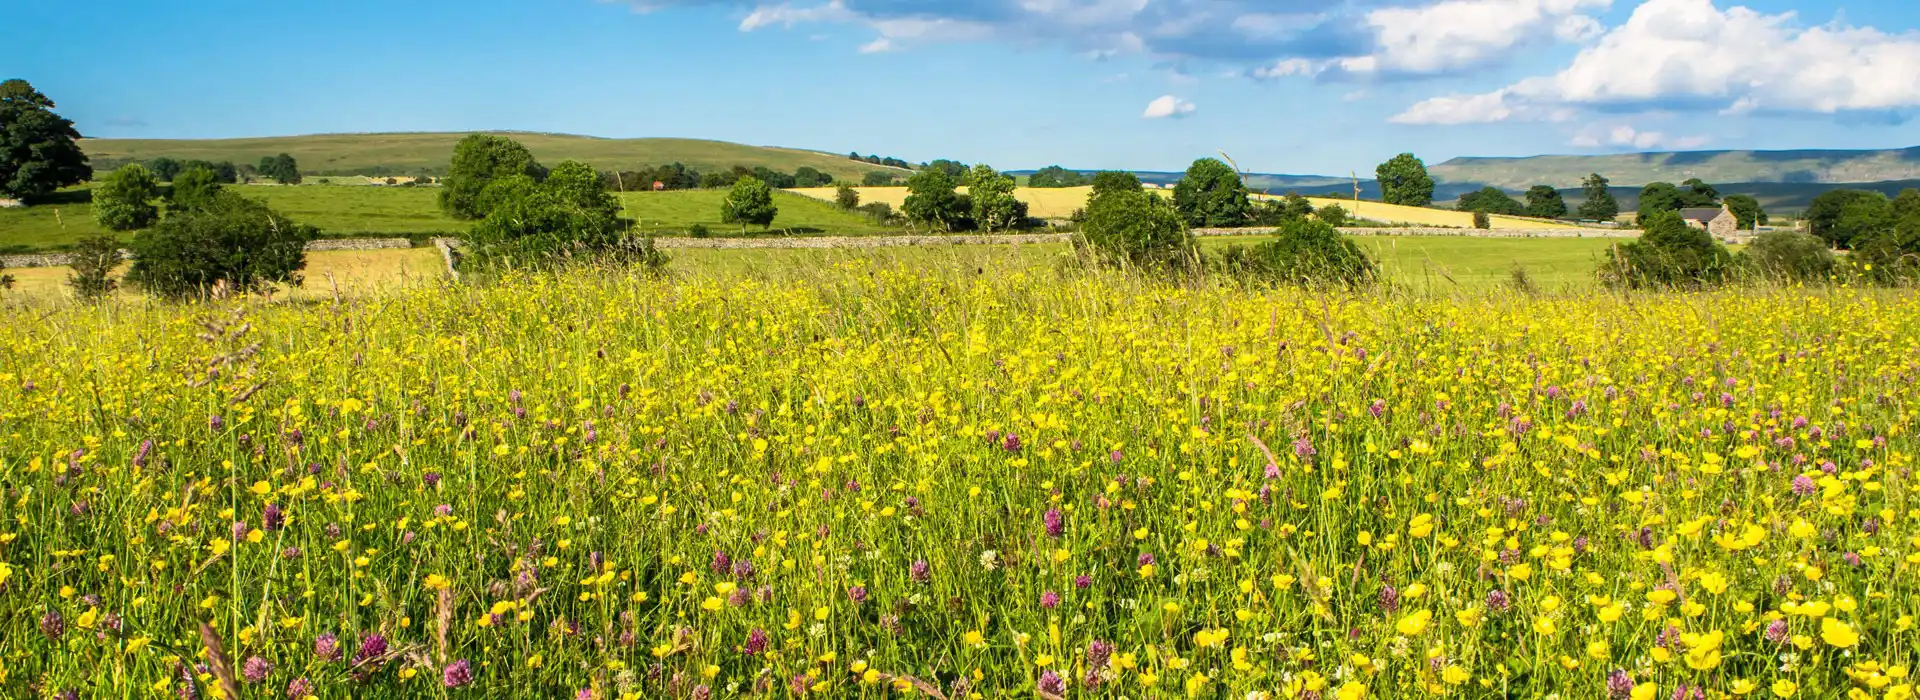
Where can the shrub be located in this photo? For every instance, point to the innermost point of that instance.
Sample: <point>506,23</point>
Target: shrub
<point>1334,214</point>
<point>232,241</point>
<point>1305,252</point>
<point>1132,228</point>
<point>846,197</point>
<point>1520,281</point>
<point>699,231</point>
<point>1482,221</point>
<point>6,280</point>
<point>1788,256</point>
<point>1668,254</point>
<point>93,261</point>
<point>879,212</point>
<point>123,201</point>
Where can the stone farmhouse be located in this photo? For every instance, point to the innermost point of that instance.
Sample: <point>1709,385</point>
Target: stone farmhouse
<point>1719,223</point>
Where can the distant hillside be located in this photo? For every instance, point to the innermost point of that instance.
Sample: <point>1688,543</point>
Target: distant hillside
<point>1789,167</point>
<point>1259,181</point>
<point>409,154</point>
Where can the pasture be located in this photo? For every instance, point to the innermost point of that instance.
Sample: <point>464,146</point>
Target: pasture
<point>870,479</point>
<point>360,211</point>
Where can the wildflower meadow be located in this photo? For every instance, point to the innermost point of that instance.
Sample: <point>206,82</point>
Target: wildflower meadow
<point>869,481</point>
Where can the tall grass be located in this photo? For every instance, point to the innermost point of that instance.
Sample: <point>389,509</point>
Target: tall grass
<point>862,479</point>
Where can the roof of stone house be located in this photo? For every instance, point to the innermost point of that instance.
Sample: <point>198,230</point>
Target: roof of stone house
<point>1700,213</point>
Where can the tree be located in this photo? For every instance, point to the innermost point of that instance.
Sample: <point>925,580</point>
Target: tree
<point>164,168</point>
<point>124,200</point>
<point>877,178</point>
<point>807,176</point>
<point>194,188</point>
<point>1491,200</point>
<point>1056,176</point>
<point>1668,253</point>
<point>1482,221</point>
<point>846,197</point>
<point>92,264</point>
<point>953,169</point>
<point>281,168</point>
<point>1295,206</point>
<point>773,178</point>
<point>1824,212</point>
<point>568,217</point>
<point>750,202</point>
<point>1110,181</point>
<point>1334,214</point>
<point>932,202</point>
<point>1698,193</point>
<point>1137,229</point>
<point>39,152</point>
<point>994,206</point>
<point>1404,180</point>
<point>1659,197</point>
<point>1747,210</point>
<point>1544,202</point>
<point>1891,251</point>
<point>1211,194</point>
<point>232,242</point>
<point>1600,204</point>
<point>478,160</point>
<point>224,172</point>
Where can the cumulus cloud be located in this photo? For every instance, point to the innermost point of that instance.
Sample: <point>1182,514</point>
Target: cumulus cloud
<point>1690,54</point>
<point>1167,106</point>
<point>1456,34</point>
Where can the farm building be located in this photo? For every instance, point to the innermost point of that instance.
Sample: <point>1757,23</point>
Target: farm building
<point>1720,223</point>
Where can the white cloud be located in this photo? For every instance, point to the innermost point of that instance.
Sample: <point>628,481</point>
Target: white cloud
<point>1690,53</point>
<point>1456,34</point>
<point>1285,68</point>
<point>880,45</point>
<point>788,15</point>
<point>1167,106</point>
<point>1458,109</point>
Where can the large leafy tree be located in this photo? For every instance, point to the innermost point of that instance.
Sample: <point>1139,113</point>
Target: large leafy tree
<point>282,168</point>
<point>1659,197</point>
<point>1891,250</point>
<point>932,202</point>
<point>233,241</point>
<point>1491,200</point>
<point>124,200</point>
<point>1211,194</point>
<point>1599,203</point>
<point>569,216</point>
<point>1056,176</point>
<point>808,176</point>
<point>994,206</point>
<point>1825,212</point>
<point>1698,193</point>
<point>749,202</point>
<point>478,160</point>
<point>39,150</point>
<point>1747,210</point>
<point>1404,180</point>
<point>1545,202</point>
<point>165,168</point>
<point>953,169</point>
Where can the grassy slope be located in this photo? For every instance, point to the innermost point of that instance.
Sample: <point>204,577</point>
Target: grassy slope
<point>359,211</point>
<point>1712,166</point>
<point>409,153</point>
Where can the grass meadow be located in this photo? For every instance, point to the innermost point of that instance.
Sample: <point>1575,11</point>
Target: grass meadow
<point>872,477</point>
<point>342,211</point>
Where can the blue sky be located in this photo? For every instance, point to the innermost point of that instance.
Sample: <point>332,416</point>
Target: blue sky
<point>1290,86</point>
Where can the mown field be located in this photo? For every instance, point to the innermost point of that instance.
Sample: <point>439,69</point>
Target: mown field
<point>1060,203</point>
<point>345,212</point>
<point>866,480</point>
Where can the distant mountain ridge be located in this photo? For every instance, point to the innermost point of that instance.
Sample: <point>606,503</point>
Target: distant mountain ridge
<point>1804,166</point>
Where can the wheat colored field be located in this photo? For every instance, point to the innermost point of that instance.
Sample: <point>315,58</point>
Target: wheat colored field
<point>1059,203</point>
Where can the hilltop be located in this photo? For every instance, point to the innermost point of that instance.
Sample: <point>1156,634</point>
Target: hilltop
<point>412,153</point>
<point>1792,167</point>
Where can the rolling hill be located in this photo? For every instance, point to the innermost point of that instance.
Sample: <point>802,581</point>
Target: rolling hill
<point>412,153</point>
<point>1788,167</point>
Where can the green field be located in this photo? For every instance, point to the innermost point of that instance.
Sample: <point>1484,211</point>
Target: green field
<point>360,211</point>
<point>408,154</point>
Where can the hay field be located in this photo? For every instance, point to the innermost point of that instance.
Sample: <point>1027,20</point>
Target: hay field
<point>1059,203</point>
